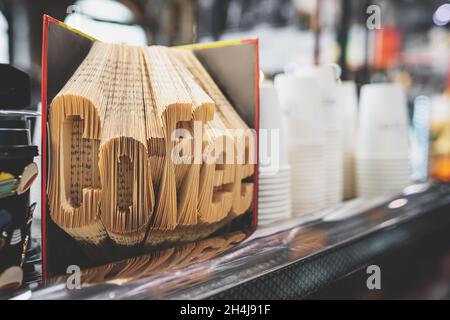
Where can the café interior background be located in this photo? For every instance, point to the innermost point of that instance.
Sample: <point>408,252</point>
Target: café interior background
<point>291,32</point>
<point>414,51</point>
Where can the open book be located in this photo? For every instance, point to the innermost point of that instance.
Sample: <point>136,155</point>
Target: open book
<point>146,149</point>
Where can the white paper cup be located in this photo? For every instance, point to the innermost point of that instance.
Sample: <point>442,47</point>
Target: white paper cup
<point>300,97</point>
<point>274,211</point>
<point>279,198</point>
<point>346,98</point>
<point>381,188</point>
<point>327,75</point>
<point>282,175</point>
<point>371,167</point>
<point>274,205</point>
<point>306,212</point>
<point>383,121</point>
<point>272,150</point>
<point>270,111</point>
<point>382,173</point>
<point>379,193</point>
<point>270,213</point>
<point>332,119</point>
<point>387,184</point>
<point>275,182</point>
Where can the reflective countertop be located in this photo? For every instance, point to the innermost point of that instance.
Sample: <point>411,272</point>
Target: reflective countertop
<point>210,267</point>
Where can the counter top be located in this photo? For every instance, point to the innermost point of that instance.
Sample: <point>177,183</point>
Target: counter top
<point>295,258</point>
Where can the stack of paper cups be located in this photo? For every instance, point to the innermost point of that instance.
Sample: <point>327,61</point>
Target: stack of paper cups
<point>347,101</point>
<point>332,119</point>
<point>334,142</point>
<point>300,97</point>
<point>274,196</point>
<point>383,154</point>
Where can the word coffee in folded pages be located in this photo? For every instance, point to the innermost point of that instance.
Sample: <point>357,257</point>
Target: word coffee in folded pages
<point>146,149</point>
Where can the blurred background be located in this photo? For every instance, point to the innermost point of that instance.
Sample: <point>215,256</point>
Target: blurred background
<point>407,41</point>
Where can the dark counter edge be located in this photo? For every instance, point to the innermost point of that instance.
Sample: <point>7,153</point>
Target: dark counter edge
<point>427,212</point>
<point>313,273</point>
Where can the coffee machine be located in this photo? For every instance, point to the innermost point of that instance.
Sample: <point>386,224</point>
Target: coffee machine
<point>18,171</point>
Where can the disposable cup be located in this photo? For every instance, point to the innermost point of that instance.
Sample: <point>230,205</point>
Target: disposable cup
<point>285,176</point>
<point>383,121</point>
<point>300,98</point>
<point>272,142</point>
<point>270,211</point>
<point>346,98</point>
<point>277,215</point>
<point>273,192</point>
<point>276,199</point>
<point>274,171</point>
<point>274,204</point>
<point>299,95</point>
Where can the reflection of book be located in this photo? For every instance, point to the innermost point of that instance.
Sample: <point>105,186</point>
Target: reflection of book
<point>161,262</point>
<point>11,278</point>
<point>113,177</point>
